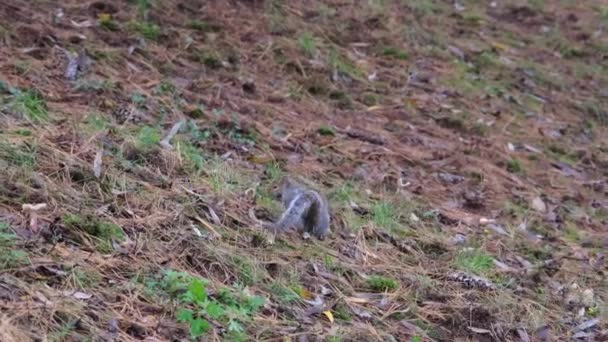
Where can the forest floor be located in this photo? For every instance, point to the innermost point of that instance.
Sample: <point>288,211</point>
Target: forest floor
<point>463,148</point>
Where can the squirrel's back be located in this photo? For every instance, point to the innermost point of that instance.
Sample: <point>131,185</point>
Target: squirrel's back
<point>305,209</point>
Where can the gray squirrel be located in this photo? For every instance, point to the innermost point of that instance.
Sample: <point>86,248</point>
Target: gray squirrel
<point>305,210</point>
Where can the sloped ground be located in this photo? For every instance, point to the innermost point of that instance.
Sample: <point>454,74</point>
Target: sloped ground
<point>462,147</point>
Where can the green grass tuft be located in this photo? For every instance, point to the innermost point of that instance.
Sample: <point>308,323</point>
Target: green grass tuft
<point>474,261</point>
<point>196,308</point>
<point>382,284</point>
<point>10,255</point>
<point>31,105</point>
<point>147,30</point>
<point>383,215</point>
<point>307,44</point>
<point>147,138</point>
<point>394,52</point>
<point>22,156</point>
<point>514,166</point>
<point>326,131</point>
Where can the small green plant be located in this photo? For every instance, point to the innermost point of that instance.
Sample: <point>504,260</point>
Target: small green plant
<point>164,88</point>
<point>383,215</point>
<point>93,85</point>
<point>514,166</point>
<point>22,156</point>
<point>284,294</point>
<point>307,45</point>
<point>572,233</point>
<point>423,8</point>
<point>196,134</point>
<point>474,260</point>
<point>96,123</point>
<point>326,131</point>
<point>105,20</point>
<point>345,193</point>
<point>344,66</point>
<point>23,132</point>
<point>341,311</point>
<point>382,284</point>
<point>103,232</point>
<point>10,255</point>
<point>147,138</point>
<point>196,307</point>
<point>30,104</point>
<point>273,171</point>
<point>143,6</point>
<point>203,26</point>
<point>245,269</point>
<point>84,279</point>
<point>370,99</point>
<point>192,156</point>
<point>394,52</point>
<point>223,178</point>
<point>210,59</point>
<point>147,30</point>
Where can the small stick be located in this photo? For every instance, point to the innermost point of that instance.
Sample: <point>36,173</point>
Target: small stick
<point>166,142</point>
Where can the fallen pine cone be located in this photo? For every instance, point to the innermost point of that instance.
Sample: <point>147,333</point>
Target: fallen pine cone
<point>471,281</point>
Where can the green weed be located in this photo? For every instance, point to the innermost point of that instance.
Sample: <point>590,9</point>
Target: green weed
<point>22,156</point>
<point>370,99</point>
<point>10,255</point>
<point>596,111</point>
<point>203,26</point>
<point>31,105</point>
<point>382,284</point>
<point>23,132</point>
<point>342,312</point>
<point>196,134</point>
<point>344,66</point>
<point>354,221</point>
<point>147,138</point>
<point>273,171</point>
<point>572,233</point>
<point>284,294</point>
<point>93,85</point>
<point>85,279</point>
<point>210,59</point>
<point>245,270</point>
<point>516,209</point>
<point>474,261</point>
<point>192,156</point>
<point>562,155</point>
<point>423,8</point>
<point>103,232</point>
<point>514,166</point>
<point>105,20</point>
<point>143,6</point>
<point>384,215</point>
<point>326,130</point>
<point>345,193</point>
<point>147,30</point>
<point>164,88</point>
<point>394,52</point>
<point>307,44</point>
<point>96,123</point>
<point>196,308</point>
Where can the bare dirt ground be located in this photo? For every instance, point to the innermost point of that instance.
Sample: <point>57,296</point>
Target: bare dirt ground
<point>462,146</point>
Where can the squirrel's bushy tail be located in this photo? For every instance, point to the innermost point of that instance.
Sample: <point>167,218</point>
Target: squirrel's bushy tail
<point>297,211</point>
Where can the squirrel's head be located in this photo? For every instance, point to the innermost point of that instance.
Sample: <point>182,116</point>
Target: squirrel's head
<point>284,185</point>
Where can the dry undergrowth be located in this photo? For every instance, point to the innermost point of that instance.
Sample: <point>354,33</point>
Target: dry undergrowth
<point>462,147</point>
